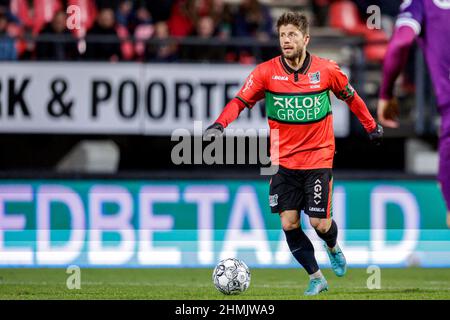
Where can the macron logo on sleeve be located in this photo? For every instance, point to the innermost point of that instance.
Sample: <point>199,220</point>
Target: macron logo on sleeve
<point>249,83</point>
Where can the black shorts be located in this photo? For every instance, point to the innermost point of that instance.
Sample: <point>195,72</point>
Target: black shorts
<point>307,190</point>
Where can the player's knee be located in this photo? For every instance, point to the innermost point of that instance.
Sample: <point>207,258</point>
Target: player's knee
<point>322,225</point>
<point>321,228</point>
<point>314,222</point>
<point>289,225</point>
<point>289,220</point>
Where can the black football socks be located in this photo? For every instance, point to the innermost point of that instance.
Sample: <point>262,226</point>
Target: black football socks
<point>302,249</point>
<point>330,237</point>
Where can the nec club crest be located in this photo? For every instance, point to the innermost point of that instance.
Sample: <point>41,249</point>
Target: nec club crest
<point>314,78</point>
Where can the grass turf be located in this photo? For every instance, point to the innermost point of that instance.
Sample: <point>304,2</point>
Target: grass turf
<point>280,284</point>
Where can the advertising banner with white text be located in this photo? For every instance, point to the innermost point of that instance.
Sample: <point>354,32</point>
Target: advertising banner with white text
<point>196,223</point>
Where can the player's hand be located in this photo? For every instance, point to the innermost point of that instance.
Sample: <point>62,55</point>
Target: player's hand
<point>448,219</point>
<point>215,130</point>
<point>376,135</point>
<point>388,112</point>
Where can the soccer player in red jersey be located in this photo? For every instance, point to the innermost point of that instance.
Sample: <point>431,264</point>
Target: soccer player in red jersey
<point>296,87</point>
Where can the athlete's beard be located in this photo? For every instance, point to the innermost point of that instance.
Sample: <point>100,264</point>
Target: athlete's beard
<point>294,55</point>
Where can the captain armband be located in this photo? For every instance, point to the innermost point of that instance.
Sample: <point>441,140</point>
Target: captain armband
<point>347,93</point>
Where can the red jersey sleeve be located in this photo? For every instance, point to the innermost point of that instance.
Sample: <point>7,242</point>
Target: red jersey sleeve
<point>251,92</point>
<point>339,82</point>
<point>342,89</point>
<point>230,112</point>
<point>253,89</point>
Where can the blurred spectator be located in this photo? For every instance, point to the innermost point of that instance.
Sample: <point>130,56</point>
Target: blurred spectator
<point>226,23</point>
<point>102,41</point>
<point>220,14</point>
<point>183,18</point>
<point>143,31</point>
<point>34,14</point>
<point>125,13</point>
<point>5,8</point>
<point>253,19</point>
<point>57,50</point>
<point>7,44</point>
<point>143,16</point>
<point>205,30</point>
<point>111,37</point>
<point>162,52</point>
<point>212,8</point>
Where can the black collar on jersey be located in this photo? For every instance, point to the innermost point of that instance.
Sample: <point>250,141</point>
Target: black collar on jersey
<point>304,68</point>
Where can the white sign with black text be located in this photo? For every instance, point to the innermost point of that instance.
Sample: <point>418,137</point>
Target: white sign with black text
<point>126,98</point>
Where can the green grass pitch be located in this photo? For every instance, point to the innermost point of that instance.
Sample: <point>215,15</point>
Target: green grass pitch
<point>196,284</point>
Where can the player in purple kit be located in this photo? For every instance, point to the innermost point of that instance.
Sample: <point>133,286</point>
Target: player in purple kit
<point>428,21</point>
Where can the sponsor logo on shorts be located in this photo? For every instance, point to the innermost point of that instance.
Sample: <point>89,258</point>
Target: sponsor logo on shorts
<point>317,191</point>
<point>314,209</point>
<point>273,200</point>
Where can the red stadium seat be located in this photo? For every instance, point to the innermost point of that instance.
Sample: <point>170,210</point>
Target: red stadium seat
<point>36,17</point>
<point>343,15</point>
<point>88,12</point>
<point>180,24</point>
<point>230,57</point>
<point>375,52</point>
<point>246,58</point>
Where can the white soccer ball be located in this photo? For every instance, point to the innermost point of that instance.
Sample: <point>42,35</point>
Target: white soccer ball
<point>231,276</point>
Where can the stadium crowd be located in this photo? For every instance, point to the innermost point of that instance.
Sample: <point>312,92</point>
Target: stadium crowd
<point>113,30</point>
